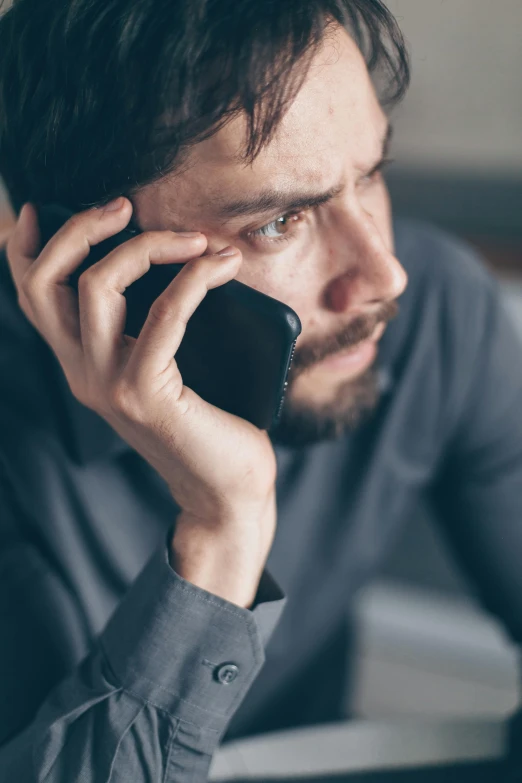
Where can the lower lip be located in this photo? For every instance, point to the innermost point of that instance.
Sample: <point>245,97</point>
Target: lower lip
<point>354,359</point>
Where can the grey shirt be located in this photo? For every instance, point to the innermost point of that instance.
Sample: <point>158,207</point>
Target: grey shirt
<point>112,667</point>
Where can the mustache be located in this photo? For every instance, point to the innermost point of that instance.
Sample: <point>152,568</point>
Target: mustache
<point>358,330</point>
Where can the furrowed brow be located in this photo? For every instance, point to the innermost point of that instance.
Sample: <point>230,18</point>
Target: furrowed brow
<point>271,201</point>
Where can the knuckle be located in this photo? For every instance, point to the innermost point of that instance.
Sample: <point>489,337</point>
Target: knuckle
<point>76,222</point>
<point>25,284</point>
<point>30,285</point>
<point>23,302</point>
<point>88,280</point>
<point>162,311</point>
<point>25,307</point>
<point>145,239</point>
<point>148,239</point>
<point>122,400</point>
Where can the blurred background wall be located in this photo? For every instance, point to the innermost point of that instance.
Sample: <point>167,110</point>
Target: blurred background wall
<point>458,141</point>
<point>463,113</point>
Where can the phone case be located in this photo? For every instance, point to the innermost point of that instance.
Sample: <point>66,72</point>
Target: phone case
<point>238,345</point>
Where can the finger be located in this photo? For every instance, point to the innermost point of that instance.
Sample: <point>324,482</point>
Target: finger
<point>102,305</point>
<point>166,323</point>
<point>23,244</point>
<point>21,251</point>
<point>45,284</point>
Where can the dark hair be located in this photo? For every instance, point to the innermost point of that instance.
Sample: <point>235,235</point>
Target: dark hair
<point>100,97</point>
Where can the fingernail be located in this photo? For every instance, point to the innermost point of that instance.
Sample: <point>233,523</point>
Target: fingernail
<point>227,251</point>
<point>113,205</point>
<point>188,233</point>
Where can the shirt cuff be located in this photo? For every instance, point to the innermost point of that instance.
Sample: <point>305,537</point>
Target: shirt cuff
<point>185,650</point>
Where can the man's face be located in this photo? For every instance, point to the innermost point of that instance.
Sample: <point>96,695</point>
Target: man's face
<point>331,262</point>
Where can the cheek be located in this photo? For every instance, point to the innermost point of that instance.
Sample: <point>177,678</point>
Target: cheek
<point>291,277</point>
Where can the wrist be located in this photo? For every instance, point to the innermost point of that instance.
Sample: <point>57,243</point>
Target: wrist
<point>224,557</point>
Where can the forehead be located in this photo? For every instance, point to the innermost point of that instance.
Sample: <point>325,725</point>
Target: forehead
<point>334,124</point>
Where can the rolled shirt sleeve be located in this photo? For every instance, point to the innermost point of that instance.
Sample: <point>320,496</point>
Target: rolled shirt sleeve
<point>153,699</point>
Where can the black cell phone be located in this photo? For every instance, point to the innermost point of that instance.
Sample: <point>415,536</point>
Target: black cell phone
<point>238,345</point>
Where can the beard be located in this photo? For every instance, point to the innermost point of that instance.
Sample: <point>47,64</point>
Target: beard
<point>302,424</point>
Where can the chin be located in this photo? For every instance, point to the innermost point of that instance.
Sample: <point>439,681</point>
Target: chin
<point>320,386</point>
<point>307,420</point>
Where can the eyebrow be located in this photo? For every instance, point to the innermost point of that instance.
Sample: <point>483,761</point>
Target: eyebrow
<point>271,201</point>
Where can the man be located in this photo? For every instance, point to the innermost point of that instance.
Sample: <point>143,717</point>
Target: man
<point>147,537</point>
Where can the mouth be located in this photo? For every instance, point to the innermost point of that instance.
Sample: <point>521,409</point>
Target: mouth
<point>356,358</point>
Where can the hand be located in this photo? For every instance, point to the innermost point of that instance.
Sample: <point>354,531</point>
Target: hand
<point>218,466</point>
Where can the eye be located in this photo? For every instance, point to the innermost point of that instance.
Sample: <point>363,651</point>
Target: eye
<point>280,228</point>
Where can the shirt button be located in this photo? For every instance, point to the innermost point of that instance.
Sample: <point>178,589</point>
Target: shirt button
<point>226,673</point>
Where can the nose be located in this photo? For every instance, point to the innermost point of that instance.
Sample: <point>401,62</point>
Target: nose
<point>370,274</point>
